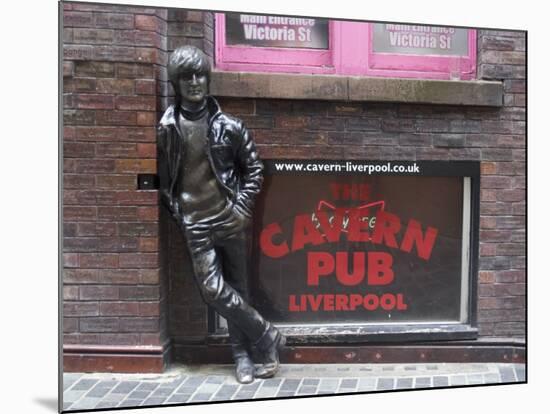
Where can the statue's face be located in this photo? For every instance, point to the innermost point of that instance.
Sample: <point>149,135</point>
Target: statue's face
<point>193,87</point>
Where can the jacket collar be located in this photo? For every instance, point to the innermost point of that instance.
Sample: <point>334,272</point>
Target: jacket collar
<point>169,117</point>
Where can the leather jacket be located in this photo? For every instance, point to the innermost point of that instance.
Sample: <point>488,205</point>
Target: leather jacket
<point>230,151</point>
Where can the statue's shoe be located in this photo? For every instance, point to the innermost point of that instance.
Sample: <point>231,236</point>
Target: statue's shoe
<point>244,370</point>
<point>270,357</point>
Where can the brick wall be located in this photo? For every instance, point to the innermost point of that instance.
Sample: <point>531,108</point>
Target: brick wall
<point>127,279</point>
<point>113,57</point>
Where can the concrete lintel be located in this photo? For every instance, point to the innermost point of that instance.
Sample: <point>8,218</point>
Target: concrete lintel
<point>349,88</point>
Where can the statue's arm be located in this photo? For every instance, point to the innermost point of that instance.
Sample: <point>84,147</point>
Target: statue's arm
<point>252,172</point>
<point>165,166</point>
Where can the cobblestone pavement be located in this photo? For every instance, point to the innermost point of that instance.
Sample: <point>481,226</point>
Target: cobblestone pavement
<point>194,384</point>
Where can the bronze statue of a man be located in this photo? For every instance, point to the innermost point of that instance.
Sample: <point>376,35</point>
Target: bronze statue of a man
<point>210,174</point>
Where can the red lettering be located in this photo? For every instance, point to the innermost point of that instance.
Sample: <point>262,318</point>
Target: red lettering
<point>387,226</point>
<point>266,242</point>
<point>342,302</point>
<point>305,233</point>
<point>380,271</point>
<point>355,300</point>
<point>424,244</point>
<point>371,302</point>
<point>387,301</point>
<point>292,306</point>
<point>332,232</point>
<point>318,264</point>
<point>329,302</point>
<point>401,305</point>
<point>356,224</point>
<point>342,268</point>
<point>314,301</point>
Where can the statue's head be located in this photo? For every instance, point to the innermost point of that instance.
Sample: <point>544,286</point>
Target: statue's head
<point>189,74</point>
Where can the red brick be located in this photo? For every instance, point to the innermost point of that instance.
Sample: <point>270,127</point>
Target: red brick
<point>146,118</point>
<point>150,339</point>
<point>118,213</point>
<point>134,70</point>
<point>78,117</point>
<point>78,150</point>
<point>139,197</point>
<point>139,324</point>
<point>98,292</point>
<point>98,260</point>
<point>116,86</point>
<point>487,222</point>
<point>119,118</point>
<point>136,166</point>
<point>495,235</point>
<point>116,150</point>
<point>119,309</point>
<point>114,20</point>
<point>79,213</point>
<point>496,181</point>
<point>93,166</point>
<point>78,181</point>
<point>99,324</point>
<point>70,260</point>
<point>94,69</point>
<point>77,19</point>
<point>96,229</point>
<point>145,22</point>
<point>149,276</point>
<point>148,244</point>
<point>68,69</point>
<point>141,293</point>
<point>149,309</point>
<point>511,195</point>
<point>487,249</point>
<point>79,85</point>
<point>114,53</point>
<point>92,101</point>
<point>80,309</point>
<point>78,52</point>
<point>145,87</point>
<point>488,195</point>
<point>487,277</point>
<point>116,181</point>
<point>146,150</point>
<point>93,36</point>
<point>80,276</point>
<point>148,213</point>
<point>291,122</point>
<point>70,325</point>
<point>136,103</point>
<point>138,260</point>
<point>120,276</point>
<point>511,249</point>
<point>97,133</point>
<point>492,209</point>
<point>510,276</point>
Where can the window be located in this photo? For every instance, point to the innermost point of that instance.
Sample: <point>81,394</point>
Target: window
<point>262,43</point>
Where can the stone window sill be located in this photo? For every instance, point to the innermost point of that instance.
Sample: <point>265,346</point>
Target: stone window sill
<point>356,89</point>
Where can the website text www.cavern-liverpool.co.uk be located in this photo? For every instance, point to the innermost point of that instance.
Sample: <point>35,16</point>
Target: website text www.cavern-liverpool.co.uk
<point>348,166</point>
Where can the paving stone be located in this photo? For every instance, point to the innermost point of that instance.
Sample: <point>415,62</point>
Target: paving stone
<point>268,392</point>
<point>348,385</point>
<point>98,392</point>
<point>285,394</point>
<point>86,403</point>
<point>272,383</point>
<point>385,384</point>
<point>154,401</point>
<point>201,397</point>
<point>475,379</point>
<point>66,405</point>
<point>244,395</point>
<point>147,386</point>
<point>130,403</point>
<point>227,391</point>
<point>520,373</point>
<point>162,392</point>
<point>105,404</point>
<point>290,385</point>
<point>366,384</point>
<point>507,374</point>
<point>179,398</point>
<point>251,387</point>
<point>423,382</point>
<point>491,378</point>
<point>142,395</point>
<point>73,395</point>
<point>195,381</point>
<point>440,381</point>
<point>215,380</point>
<point>308,389</point>
<point>328,385</point>
<point>84,384</point>
<point>458,380</point>
<point>186,390</point>
<point>404,383</point>
<point>310,381</point>
<point>125,387</point>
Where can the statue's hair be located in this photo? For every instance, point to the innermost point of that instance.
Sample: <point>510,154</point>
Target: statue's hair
<point>187,59</point>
